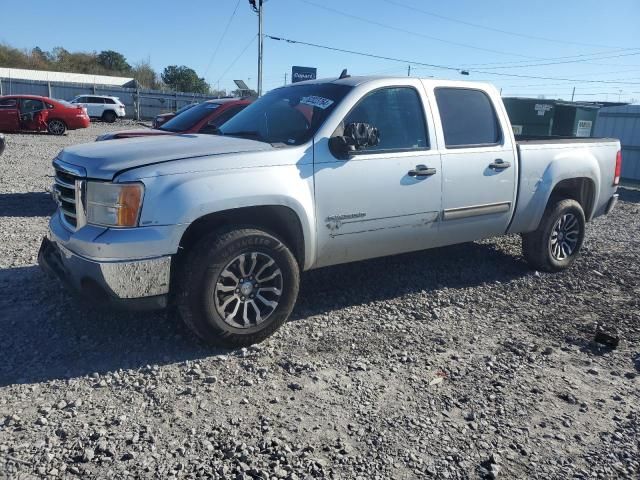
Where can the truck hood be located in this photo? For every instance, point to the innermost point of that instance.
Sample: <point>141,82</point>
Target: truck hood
<point>104,160</point>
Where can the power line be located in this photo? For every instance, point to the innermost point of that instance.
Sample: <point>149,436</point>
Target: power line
<point>563,62</point>
<point>213,55</point>
<point>238,57</point>
<point>493,29</point>
<point>442,67</point>
<point>397,29</point>
<point>575,58</point>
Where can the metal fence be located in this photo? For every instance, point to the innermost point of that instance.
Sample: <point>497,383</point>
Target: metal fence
<point>140,103</point>
<point>623,122</point>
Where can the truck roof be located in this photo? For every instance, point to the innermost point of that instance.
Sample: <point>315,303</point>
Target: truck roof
<point>354,81</point>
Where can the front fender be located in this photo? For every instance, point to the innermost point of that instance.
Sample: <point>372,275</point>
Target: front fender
<point>180,199</point>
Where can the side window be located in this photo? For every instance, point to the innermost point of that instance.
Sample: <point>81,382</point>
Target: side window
<point>398,115</point>
<point>97,100</point>
<point>8,103</point>
<point>29,105</point>
<point>80,100</point>
<point>468,117</point>
<point>110,101</point>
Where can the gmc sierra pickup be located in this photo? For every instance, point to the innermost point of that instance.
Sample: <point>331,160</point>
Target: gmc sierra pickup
<point>314,174</point>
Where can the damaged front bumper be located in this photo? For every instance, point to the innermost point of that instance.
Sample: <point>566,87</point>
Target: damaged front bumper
<point>138,284</point>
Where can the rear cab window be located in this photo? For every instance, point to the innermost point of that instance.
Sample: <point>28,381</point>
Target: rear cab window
<point>468,118</point>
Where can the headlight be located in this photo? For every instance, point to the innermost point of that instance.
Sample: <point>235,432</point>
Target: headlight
<point>114,204</point>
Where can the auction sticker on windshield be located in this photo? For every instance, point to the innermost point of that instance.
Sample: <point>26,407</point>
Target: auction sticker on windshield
<point>316,101</point>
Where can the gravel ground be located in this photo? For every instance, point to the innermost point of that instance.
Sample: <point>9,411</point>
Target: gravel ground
<point>453,363</point>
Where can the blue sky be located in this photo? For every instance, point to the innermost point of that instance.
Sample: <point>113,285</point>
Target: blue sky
<point>449,33</point>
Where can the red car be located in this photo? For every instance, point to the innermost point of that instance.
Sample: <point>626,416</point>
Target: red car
<point>40,114</point>
<point>205,117</point>
<point>165,117</point>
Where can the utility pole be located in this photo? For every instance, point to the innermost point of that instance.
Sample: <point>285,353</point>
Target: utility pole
<point>285,78</point>
<point>408,70</point>
<point>257,6</point>
<point>573,93</point>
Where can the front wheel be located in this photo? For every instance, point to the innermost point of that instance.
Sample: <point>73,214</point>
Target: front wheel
<point>56,127</point>
<point>237,287</point>
<point>556,243</point>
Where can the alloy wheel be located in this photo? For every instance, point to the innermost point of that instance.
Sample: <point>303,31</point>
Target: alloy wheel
<point>248,290</point>
<point>564,236</point>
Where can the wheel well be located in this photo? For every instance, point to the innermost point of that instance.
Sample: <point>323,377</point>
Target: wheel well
<point>276,219</point>
<point>582,190</point>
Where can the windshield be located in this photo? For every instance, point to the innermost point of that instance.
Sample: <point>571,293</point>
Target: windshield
<point>289,115</point>
<point>188,118</point>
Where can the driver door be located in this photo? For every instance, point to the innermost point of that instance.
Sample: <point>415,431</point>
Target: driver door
<point>372,204</point>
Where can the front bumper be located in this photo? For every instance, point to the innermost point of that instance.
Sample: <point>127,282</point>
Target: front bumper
<point>131,284</point>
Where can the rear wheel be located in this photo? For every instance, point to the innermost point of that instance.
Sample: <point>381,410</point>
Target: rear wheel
<point>109,116</point>
<point>237,287</point>
<point>556,243</point>
<point>56,127</point>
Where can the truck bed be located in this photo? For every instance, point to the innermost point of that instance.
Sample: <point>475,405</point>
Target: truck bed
<point>556,139</point>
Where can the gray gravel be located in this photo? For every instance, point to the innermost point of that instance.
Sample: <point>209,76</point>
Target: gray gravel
<point>453,363</point>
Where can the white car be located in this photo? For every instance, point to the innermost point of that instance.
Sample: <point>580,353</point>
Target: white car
<point>99,106</point>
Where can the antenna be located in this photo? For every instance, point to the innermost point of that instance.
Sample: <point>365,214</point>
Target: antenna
<point>344,74</point>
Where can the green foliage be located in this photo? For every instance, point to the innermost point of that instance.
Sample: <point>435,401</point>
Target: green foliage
<point>113,61</point>
<point>184,79</point>
<point>107,62</point>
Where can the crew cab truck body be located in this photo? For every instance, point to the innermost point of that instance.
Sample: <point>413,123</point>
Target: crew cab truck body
<point>310,175</point>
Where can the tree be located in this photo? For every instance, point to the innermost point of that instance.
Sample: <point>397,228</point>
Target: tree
<point>184,79</point>
<point>145,75</point>
<point>244,93</point>
<point>113,61</point>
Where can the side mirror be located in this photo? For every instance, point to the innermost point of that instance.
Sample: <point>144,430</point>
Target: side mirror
<point>356,136</point>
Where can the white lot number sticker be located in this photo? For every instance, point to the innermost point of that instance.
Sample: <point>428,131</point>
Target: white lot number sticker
<point>315,101</point>
<point>584,128</point>
<point>542,108</point>
<point>517,129</point>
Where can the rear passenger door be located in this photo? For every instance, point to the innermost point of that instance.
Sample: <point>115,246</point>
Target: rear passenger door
<point>9,118</point>
<point>479,165</point>
<point>95,107</point>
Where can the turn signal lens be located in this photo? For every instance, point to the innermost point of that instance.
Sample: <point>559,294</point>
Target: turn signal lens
<point>113,204</point>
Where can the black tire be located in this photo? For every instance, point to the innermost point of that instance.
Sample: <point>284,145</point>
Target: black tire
<point>538,246</point>
<point>109,116</point>
<point>201,273</point>
<point>56,127</point>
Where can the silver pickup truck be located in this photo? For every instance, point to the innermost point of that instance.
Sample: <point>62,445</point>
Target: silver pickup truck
<point>314,174</point>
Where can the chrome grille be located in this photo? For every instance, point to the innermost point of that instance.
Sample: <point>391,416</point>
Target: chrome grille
<point>68,191</point>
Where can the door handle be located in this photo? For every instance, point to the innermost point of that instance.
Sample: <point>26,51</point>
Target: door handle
<point>421,171</point>
<point>499,164</point>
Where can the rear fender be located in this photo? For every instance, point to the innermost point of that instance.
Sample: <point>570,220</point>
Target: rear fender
<point>535,193</point>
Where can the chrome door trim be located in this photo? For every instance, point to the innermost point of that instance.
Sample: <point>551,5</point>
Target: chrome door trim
<point>475,210</point>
